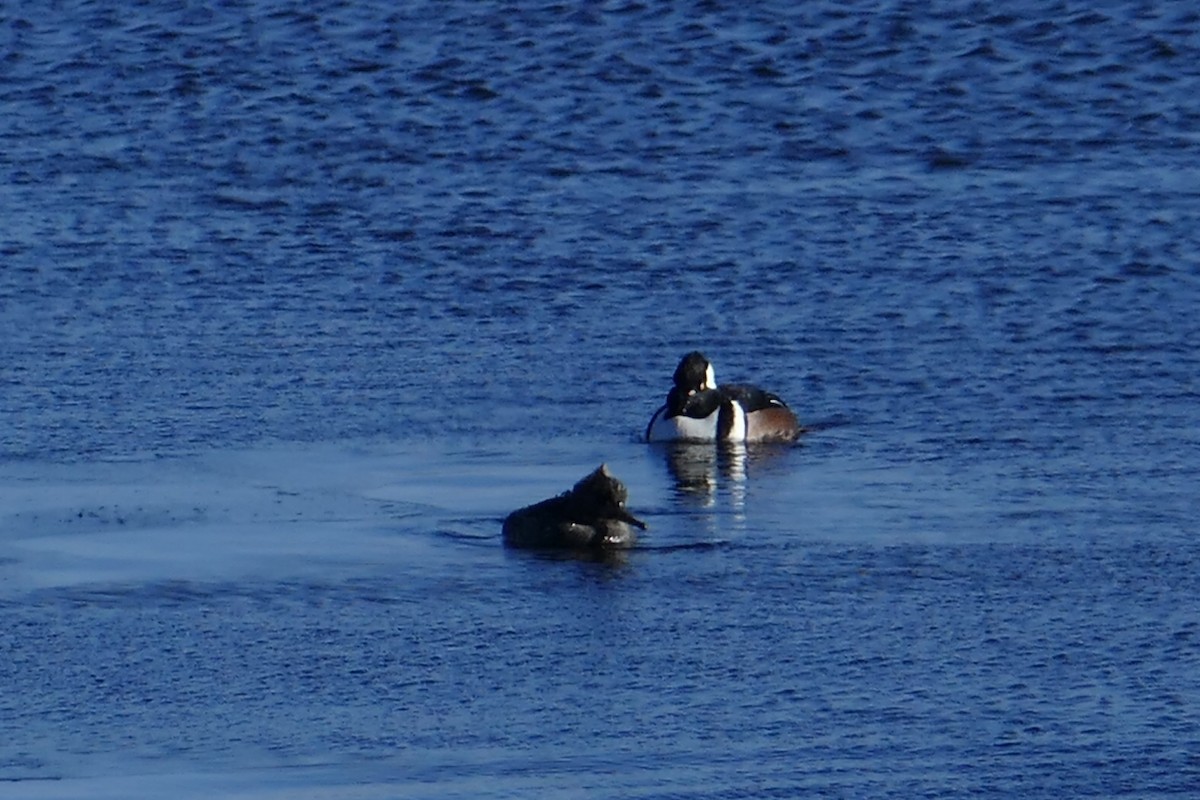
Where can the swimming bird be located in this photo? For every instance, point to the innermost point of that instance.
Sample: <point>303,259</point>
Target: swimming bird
<point>591,516</point>
<point>698,409</point>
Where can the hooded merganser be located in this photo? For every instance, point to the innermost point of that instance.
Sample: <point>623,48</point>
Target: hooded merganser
<point>697,409</point>
<point>591,516</point>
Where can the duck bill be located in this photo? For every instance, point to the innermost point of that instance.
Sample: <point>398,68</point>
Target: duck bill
<point>625,516</point>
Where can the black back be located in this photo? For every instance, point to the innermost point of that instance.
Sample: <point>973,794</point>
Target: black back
<point>751,398</point>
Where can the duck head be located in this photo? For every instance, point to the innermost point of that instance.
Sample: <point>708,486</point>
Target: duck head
<point>602,496</point>
<point>694,374</point>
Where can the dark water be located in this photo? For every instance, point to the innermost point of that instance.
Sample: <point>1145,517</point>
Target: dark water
<point>295,305</point>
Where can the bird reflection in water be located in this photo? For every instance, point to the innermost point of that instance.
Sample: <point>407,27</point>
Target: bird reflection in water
<point>703,471</point>
<point>698,468</point>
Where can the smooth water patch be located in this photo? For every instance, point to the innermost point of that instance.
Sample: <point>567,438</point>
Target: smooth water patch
<point>302,510</point>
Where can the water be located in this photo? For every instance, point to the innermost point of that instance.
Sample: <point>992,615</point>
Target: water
<point>296,306</point>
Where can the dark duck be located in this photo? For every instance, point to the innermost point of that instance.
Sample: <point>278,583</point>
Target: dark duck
<point>591,516</point>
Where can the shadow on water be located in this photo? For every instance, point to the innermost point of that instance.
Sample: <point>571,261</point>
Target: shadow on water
<point>684,547</point>
<point>606,557</point>
<point>615,557</point>
<point>618,559</point>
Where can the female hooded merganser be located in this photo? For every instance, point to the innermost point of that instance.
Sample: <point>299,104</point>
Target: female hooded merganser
<point>591,516</point>
<point>697,409</point>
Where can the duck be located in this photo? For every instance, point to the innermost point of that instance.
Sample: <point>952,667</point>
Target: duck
<point>590,516</point>
<point>698,409</point>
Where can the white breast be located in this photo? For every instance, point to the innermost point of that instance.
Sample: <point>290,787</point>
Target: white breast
<point>681,428</point>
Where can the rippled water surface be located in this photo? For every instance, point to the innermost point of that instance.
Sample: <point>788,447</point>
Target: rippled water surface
<point>295,306</point>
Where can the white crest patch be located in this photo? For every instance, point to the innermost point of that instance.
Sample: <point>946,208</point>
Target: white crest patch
<point>710,378</point>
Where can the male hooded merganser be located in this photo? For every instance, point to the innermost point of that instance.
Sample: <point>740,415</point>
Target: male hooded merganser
<point>591,516</point>
<point>697,409</point>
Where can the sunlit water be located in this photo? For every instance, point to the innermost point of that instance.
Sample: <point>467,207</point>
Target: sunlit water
<point>295,307</point>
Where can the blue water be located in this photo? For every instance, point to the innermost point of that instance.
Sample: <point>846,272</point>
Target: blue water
<point>296,305</point>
